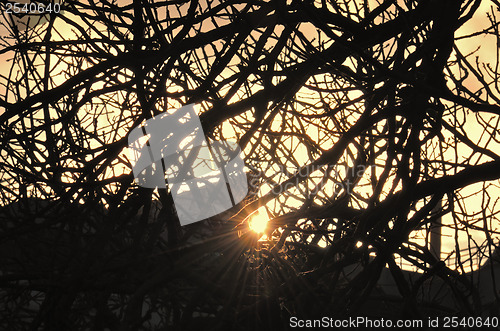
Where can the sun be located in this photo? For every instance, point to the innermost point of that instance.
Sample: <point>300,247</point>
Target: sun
<point>258,220</point>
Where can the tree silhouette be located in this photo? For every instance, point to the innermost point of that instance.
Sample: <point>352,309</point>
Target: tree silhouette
<point>367,126</point>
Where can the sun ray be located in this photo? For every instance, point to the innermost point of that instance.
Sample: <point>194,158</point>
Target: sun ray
<point>258,220</point>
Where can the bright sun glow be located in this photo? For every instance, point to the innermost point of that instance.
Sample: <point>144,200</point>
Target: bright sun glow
<point>258,220</point>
